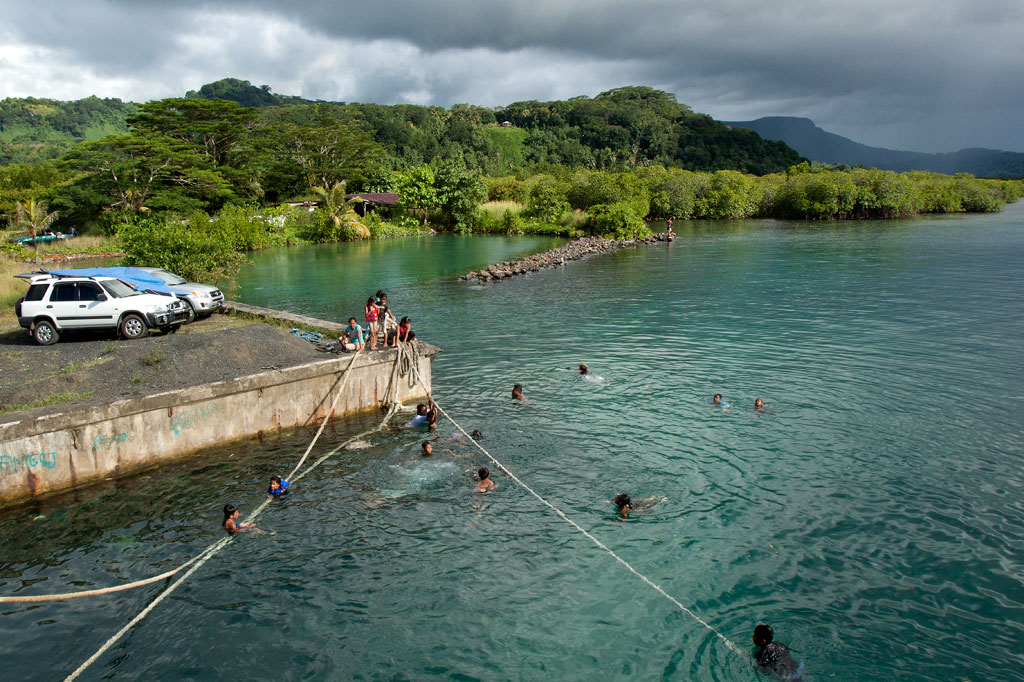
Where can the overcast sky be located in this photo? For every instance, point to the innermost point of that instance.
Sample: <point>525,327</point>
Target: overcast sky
<point>928,75</point>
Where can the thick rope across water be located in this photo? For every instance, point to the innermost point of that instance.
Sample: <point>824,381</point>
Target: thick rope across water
<point>732,647</point>
<point>212,550</point>
<point>157,578</point>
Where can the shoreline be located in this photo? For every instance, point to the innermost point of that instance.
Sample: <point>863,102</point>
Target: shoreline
<point>574,250</point>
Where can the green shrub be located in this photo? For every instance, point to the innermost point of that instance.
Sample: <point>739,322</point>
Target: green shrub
<point>619,221</point>
<point>193,249</point>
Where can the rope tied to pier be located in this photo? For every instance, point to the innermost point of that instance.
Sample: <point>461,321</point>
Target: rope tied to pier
<point>163,576</point>
<point>647,581</point>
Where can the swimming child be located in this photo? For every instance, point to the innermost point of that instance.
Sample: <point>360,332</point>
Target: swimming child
<point>584,369</point>
<point>517,393</point>
<point>716,401</point>
<point>775,655</point>
<point>641,504</point>
<point>355,336</point>
<point>427,448</point>
<point>278,486</point>
<point>230,514</point>
<point>758,404</point>
<point>485,483</point>
<point>426,415</point>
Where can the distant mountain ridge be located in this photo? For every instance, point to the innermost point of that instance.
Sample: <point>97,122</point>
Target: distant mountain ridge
<point>820,145</point>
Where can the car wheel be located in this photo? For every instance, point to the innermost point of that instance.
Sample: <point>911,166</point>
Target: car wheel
<point>173,328</point>
<point>45,333</point>
<point>133,327</point>
<point>191,313</point>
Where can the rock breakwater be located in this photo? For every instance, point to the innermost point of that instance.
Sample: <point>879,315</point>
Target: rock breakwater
<point>574,250</point>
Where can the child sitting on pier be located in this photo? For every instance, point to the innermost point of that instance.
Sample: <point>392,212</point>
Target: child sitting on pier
<point>355,336</point>
<point>278,486</point>
<point>485,483</point>
<point>401,334</point>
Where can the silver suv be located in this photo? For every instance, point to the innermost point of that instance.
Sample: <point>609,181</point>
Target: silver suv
<point>203,298</point>
<point>55,304</point>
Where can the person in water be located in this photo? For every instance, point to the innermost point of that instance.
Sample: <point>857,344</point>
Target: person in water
<point>426,415</point>
<point>427,448</point>
<point>230,514</point>
<point>484,482</point>
<point>716,401</point>
<point>517,393</point>
<point>278,486</point>
<point>626,504</point>
<point>354,334</point>
<point>775,655</point>
<point>583,368</point>
<point>668,226</point>
<point>758,404</point>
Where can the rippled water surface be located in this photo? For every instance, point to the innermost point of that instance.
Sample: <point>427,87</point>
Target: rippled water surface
<point>873,513</point>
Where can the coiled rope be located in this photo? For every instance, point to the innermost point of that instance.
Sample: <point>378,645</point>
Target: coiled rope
<point>650,583</point>
<point>157,578</point>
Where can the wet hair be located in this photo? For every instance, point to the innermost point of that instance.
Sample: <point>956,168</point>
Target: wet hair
<point>621,500</point>
<point>275,479</point>
<point>583,368</point>
<point>351,320</point>
<point>229,511</point>
<point>518,388</point>
<point>763,635</point>
<point>426,444</point>
<point>758,402</point>
<point>476,435</point>
<point>484,474</point>
<point>717,396</point>
<point>421,409</point>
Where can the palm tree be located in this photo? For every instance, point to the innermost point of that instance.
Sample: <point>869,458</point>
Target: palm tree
<point>340,211</point>
<point>32,216</point>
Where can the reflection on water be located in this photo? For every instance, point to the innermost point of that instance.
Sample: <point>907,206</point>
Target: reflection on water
<point>872,512</point>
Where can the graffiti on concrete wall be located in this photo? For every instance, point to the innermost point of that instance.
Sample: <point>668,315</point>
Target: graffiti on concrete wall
<point>194,416</point>
<point>10,464</point>
<point>104,441</point>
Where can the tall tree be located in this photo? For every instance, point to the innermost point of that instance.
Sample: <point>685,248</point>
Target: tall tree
<point>215,127</point>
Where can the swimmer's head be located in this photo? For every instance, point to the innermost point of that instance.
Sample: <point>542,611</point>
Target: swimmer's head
<point>717,398</point>
<point>763,635</point>
<point>621,500</point>
<point>230,511</point>
<point>275,482</point>
<point>421,409</point>
<point>483,474</point>
<point>352,321</point>
<point>476,435</point>
<point>428,449</point>
<point>583,368</point>
<point>517,390</point>
<point>758,403</point>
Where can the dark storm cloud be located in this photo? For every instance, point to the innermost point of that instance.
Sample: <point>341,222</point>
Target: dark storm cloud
<point>910,74</point>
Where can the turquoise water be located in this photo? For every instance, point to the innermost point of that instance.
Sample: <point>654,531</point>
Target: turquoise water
<point>874,514</point>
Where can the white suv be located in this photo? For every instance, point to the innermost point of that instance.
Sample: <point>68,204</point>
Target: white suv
<point>56,304</point>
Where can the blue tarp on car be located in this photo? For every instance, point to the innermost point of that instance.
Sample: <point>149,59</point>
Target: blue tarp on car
<point>140,279</point>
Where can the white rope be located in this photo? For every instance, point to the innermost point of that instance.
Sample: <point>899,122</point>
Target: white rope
<point>207,554</point>
<point>582,530</point>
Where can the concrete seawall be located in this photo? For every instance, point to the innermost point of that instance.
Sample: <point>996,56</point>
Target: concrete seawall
<point>58,451</point>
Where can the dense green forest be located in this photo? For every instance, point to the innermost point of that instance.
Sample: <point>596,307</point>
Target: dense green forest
<point>34,130</point>
<point>191,183</point>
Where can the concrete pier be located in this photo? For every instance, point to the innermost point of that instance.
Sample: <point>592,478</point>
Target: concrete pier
<point>58,451</point>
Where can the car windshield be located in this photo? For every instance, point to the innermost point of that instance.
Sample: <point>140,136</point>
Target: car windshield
<point>169,277</point>
<point>118,289</point>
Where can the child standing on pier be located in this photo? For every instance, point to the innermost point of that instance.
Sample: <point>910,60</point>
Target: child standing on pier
<point>372,313</point>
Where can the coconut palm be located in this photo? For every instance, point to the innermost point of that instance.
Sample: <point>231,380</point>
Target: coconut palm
<point>339,211</point>
<point>32,215</point>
